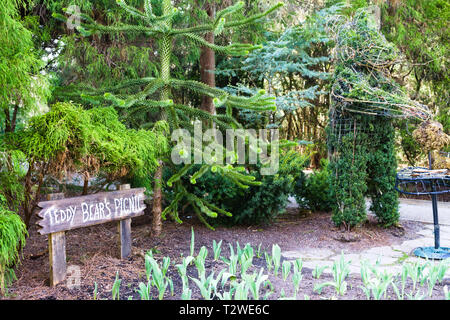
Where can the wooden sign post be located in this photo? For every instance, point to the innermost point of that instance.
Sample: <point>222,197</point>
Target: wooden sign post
<point>57,250</point>
<point>124,227</point>
<point>59,215</point>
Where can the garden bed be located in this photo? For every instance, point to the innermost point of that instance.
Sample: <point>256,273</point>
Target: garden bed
<point>94,250</point>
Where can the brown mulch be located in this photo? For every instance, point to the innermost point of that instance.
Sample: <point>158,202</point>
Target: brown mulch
<point>94,249</point>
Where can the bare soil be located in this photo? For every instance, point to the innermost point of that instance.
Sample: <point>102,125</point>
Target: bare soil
<point>94,249</point>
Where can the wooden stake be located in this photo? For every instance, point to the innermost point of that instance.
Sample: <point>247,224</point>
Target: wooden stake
<point>124,227</point>
<point>57,250</point>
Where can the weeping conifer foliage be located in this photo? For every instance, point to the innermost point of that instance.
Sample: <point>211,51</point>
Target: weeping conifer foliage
<point>69,139</point>
<point>22,87</point>
<point>154,94</point>
<point>12,235</point>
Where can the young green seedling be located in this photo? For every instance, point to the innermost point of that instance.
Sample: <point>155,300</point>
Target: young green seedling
<point>182,270</point>
<point>403,280</point>
<point>165,265</point>
<point>160,281</point>
<point>417,296</point>
<point>241,290</point>
<point>95,290</point>
<point>205,285</point>
<point>340,271</point>
<point>276,257</point>
<point>186,294</point>
<point>217,249</point>
<point>116,287</point>
<point>227,295</point>
<point>436,272</point>
<point>258,251</point>
<point>318,270</point>
<point>286,269</point>
<point>145,290</point>
<point>200,260</point>
<point>415,271</point>
<point>254,282</point>
<point>298,265</point>
<point>269,261</point>
<point>296,278</point>
<point>246,263</point>
<point>192,246</point>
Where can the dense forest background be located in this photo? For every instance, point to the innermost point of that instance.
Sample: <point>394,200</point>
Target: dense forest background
<point>294,64</point>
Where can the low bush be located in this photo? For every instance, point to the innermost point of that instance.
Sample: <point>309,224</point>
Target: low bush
<point>313,191</point>
<point>256,204</point>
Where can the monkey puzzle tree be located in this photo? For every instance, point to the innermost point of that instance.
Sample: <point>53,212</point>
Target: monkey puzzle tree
<point>153,95</point>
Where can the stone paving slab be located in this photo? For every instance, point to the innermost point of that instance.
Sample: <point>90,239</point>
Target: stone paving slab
<point>422,211</point>
<point>390,258</point>
<point>309,253</point>
<point>411,209</point>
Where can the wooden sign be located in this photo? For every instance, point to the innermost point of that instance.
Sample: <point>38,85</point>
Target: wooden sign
<point>59,215</point>
<point>71,213</point>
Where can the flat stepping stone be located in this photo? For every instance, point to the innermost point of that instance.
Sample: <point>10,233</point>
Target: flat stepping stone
<point>384,251</point>
<point>308,253</point>
<point>372,258</point>
<point>312,264</point>
<point>408,245</point>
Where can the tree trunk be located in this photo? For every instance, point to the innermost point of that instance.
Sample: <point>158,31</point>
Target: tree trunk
<point>85,185</point>
<point>208,64</point>
<point>165,51</point>
<point>157,199</point>
<point>10,123</point>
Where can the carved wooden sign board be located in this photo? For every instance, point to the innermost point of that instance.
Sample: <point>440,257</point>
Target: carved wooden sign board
<point>59,215</point>
<point>71,213</point>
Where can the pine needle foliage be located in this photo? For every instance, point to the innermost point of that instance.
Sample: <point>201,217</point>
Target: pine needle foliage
<point>154,94</point>
<point>420,28</point>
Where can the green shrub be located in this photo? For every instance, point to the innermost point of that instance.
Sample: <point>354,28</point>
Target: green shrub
<point>69,139</point>
<point>12,235</point>
<point>11,175</point>
<point>257,204</point>
<point>313,191</point>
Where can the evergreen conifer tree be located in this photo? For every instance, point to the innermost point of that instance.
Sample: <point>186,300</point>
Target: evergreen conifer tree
<point>156,94</point>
